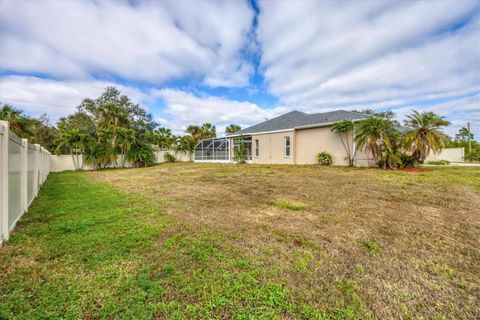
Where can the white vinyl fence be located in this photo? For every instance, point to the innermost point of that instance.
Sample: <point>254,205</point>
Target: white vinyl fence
<point>65,162</point>
<point>23,169</point>
<point>449,154</point>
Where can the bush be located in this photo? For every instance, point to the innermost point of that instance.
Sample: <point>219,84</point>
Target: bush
<point>324,158</point>
<point>407,160</point>
<point>141,154</point>
<point>168,157</point>
<point>439,162</point>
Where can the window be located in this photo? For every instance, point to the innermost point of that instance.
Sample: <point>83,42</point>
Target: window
<point>287,146</point>
<point>257,146</point>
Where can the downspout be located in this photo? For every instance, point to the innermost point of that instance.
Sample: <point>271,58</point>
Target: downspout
<point>354,147</point>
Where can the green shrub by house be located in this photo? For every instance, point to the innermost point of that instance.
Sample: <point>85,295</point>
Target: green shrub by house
<point>324,158</point>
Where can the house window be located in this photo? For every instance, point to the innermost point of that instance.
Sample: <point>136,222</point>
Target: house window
<point>257,146</point>
<point>287,146</point>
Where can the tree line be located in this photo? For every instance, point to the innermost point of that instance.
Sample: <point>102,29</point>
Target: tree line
<point>111,125</point>
<point>393,145</point>
<point>104,128</point>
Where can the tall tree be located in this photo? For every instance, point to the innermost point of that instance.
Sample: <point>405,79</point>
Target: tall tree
<point>20,124</point>
<point>139,119</point>
<point>345,130</point>
<point>232,128</point>
<point>207,130</point>
<point>44,133</point>
<point>465,135</point>
<point>424,134</point>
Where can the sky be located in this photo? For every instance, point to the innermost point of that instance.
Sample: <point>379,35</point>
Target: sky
<point>190,62</point>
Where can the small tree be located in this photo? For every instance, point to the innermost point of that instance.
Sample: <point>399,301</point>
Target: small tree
<point>185,144</point>
<point>375,134</point>
<point>74,141</point>
<point>240,152</point>
<point>344,129</point>
<point>424,134</point>
<point>125,140</point>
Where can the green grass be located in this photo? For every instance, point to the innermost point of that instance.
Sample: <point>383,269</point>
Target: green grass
<point>86,250</point>
<point>190,241</point>
<point>287,204</point>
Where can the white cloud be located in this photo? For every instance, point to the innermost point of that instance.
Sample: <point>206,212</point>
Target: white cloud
<point>148,41</point>
<point>56,98</point>
<point>184,108</point>
<point>319,55</point>
<point>60,98</point>
<point>458,111</point>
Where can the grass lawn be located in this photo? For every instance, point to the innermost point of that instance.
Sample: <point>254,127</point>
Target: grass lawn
<point>188,240</point>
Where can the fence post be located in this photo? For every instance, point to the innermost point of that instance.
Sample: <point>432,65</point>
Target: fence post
<point>36,168</point>
<point>23,175</point>
<point>4,126</point>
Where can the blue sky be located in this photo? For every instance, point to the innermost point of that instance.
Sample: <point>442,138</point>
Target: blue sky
<point>190,62</point>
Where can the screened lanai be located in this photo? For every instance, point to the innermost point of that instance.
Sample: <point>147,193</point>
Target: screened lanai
<point>213,150</point>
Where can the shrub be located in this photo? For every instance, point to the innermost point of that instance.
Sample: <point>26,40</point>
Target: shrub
<point>407,160</point>
<point>324,158</point>
<point>141,154</point>
<point>168,157</point>
<point>439,162</point>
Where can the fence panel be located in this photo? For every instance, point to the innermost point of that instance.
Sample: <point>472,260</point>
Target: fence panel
<point>14,179</point>
<point>23,169</point>
<point>30,172</point>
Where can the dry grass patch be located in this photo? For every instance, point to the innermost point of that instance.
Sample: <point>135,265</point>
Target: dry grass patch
<point>391,244</point>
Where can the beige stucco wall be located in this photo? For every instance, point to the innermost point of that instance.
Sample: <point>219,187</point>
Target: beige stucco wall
<point>309,142</point>
<point>272,148</point>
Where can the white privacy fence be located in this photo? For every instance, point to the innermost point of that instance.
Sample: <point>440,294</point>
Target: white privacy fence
<point>65,162</point>
<point>23,169</point>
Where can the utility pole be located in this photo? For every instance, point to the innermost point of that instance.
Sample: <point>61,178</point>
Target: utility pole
<point>469,139</point>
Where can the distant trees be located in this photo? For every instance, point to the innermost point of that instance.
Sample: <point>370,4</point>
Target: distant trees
<point>465,139</point>
<point>109,125</point>
<point>232,128</point>
<point>205,131</point>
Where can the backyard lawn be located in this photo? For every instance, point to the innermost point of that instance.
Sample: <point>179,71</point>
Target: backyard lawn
<point>187,240</point>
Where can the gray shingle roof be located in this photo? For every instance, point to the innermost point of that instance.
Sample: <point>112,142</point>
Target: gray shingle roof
<point>297,119</point>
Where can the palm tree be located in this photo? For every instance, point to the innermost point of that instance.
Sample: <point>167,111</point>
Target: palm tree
<point>231,129</point>
<point>21,125</point>
<point>74,141</point>
<point>125,140</point>
<point>164,138</point>
<point>207,130</point>
<point>375,134</point>
<point>193,130</point>
<point>424,134</point>
<point>185,144</point>
<point>343,129</point>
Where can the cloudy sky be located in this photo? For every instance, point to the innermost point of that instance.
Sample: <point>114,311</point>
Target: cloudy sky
<point>243,61</point>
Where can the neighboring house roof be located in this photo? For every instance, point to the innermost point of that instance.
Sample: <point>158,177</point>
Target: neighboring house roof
<point>296,120</point>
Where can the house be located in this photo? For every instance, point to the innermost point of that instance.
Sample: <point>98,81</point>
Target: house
<point>293,138</point>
